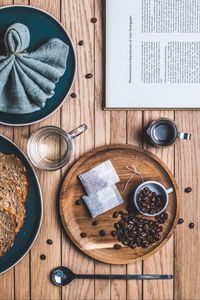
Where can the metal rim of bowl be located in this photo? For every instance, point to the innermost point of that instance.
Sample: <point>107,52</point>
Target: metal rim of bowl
<point>136,193</point>
<point>75,69</point>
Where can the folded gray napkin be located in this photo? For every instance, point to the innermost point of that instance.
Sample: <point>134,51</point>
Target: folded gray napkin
<point>27,80</point>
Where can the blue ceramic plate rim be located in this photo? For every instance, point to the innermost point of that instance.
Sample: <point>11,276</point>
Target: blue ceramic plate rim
<point>41,201</point>
<point>75,65</point>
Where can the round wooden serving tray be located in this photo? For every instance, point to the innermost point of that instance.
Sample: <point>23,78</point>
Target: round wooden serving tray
<point>77,219</point>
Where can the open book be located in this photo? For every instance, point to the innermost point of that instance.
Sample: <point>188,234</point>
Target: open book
<point>152,54</point>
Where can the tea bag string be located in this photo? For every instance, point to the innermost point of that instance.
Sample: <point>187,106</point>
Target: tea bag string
<point>134,170</point>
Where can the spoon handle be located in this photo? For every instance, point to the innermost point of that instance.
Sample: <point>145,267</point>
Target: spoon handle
<point>125,277</point>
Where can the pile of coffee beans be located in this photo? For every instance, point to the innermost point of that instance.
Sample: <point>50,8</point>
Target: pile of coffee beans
<point>149,202</point>
<point>134,231</point>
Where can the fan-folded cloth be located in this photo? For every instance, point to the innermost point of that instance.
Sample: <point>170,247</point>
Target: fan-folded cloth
<point>27,79</point>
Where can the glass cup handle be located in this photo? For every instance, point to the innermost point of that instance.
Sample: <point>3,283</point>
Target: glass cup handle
<point>77,131</point>
<point>184,136</point>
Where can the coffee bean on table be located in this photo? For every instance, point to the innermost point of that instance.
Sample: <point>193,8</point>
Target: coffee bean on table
<point>83,234</point>
<point>191,225</point>
<point>117,246</point>
<point>93,20</point>
<point>73,95</point>
<point>188,190</point>
<point>49,242</point>
<point>80,43</point>
<point>102,232</point>
<point>88,76</point>
<point>42,256</point>
<point>95,223</point>
<point>180,221</point>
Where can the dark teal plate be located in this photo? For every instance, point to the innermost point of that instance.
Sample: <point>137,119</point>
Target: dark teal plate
<point>42,27</point>
<point>34,211</point>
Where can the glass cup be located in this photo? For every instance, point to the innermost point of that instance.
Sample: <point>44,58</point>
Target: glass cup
<point>164,132</point>
<point>51,148</point>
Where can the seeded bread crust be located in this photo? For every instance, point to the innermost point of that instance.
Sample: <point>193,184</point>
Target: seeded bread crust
<point>12,169</point>
<point>10,199</point>
<point>7,230</point>
<point>13,194</point>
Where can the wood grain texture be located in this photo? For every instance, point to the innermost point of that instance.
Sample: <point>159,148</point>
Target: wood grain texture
<point>50,181</point>
<point>102,132</point>
<point>75,112</point>
<point>118,123</point>
<point>134,134</point>
<point>106,127</point>
<point>7,280</point>
<point>162,261</point>
<point>187,241</point>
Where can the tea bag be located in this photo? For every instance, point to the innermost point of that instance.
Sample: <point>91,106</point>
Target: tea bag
<point>104,200</point>
<point>99,184</point>
<point>99,177</point>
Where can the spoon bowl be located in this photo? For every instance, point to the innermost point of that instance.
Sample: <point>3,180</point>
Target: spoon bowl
<point>62,276</point>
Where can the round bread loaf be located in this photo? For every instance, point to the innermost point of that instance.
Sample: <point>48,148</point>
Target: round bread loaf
<point>7,230</point>
<point>13,170</point>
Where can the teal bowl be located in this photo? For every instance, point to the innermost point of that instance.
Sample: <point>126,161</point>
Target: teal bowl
<point>42,27</point>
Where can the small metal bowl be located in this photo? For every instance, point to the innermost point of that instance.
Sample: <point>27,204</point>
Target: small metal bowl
<point>156,187</point>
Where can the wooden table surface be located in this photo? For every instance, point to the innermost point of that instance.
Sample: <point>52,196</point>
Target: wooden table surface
<point>30,278</point>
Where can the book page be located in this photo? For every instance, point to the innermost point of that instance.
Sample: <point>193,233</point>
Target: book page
<point>153,54</point>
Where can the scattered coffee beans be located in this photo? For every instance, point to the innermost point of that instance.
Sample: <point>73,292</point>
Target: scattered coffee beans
<point>149,202</point>
<point>188,190</point>
<point>78,202</point>
<point>191,225</point>
<point>88,76</point>
<point>102,232</point>
<point>83,234</point>
<point>180,221</point>
<point>115,214</point>
<point>73,95</point>
<point>117,246</point>
<point>80,43</point>
<point>42,256</point>
<point>93,20</point>
<point>49,242</point>
<point>95,223</point>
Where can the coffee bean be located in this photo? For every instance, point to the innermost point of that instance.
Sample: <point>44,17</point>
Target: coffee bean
<point>180,221</point>
<point>121,212</point>
<point>95,223</point>
<point>115,214</point>
<point>133,245</point>
<point>42,256</point>
<point>83,234</point>
<point>102,232</point>
<point>191,225</point>
<point>49,242</point>
<point>145,244</point>
<point>73,95</point>
<point>93,20</point>
<point>117,246</point>
<point>78,202</point>
<point>114,233</point>
<point>88,76</point>
<point>80,43</point>
<point>188,190</point>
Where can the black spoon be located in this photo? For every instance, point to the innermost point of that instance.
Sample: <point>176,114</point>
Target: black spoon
<point>62,276</point>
